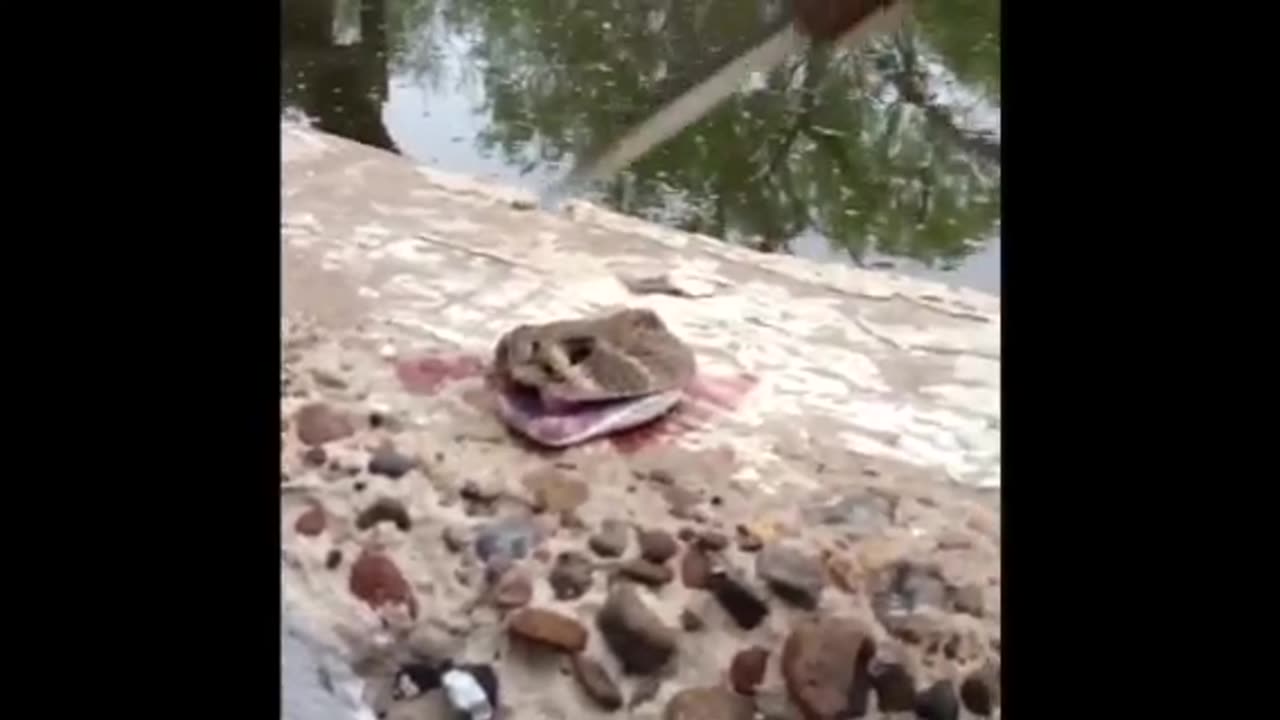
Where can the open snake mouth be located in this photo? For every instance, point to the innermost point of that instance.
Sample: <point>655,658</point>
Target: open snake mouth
<point>562,423</point>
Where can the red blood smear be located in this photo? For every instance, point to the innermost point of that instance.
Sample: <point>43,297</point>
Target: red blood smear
<point>426,375</point>
<point>704,399</point>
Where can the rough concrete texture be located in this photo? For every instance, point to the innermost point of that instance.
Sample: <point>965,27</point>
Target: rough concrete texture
<point>855,413</point>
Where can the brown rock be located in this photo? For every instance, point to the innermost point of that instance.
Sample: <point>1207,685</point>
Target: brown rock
<point>595,681</point>
<point>635,634</point>
<point>645,690</point>
<point>657,546</point>
<point>691,621</point>
<point>554,491</point>
<point>549,628</point>
<point>713,541</point>
<point>333,559</point>
<point>456,537</point>
<point>894,685</point>
<point>317,424</point>
<point>687,534</point>
<point>610,540</point>
<point>315,456</point>
<point>695,568</point>
<point>513,590</point>
<point>377,581</point>
<point>708,703</point>
<point>824,663</point>
<point>648,573</point>
<point>980,691</point>
<point>571,575</point>
<point>746,671</point>
<point>385,509</point>
<point>312,522</point>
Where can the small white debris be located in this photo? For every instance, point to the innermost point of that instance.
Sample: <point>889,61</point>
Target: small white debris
<point>466,696</point>
<point>387,351</point>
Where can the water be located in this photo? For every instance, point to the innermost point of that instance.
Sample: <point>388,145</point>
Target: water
<point>884,156</point>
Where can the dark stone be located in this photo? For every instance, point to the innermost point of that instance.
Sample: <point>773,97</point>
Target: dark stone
<point>571,575</point>
<point>938,702</point>
<point>389,462</point>
<point>422,677</point>
<point>648,573</point>
<point>634,633</point>
<point>980,691</point>
<point>687,534</point>
<point>738,600</point>
<point>895,687</point>
<point>333,559</point>
<point>610,540</point>
<point>385,509</point>
<point>657,546</point>
<point>595,682</point>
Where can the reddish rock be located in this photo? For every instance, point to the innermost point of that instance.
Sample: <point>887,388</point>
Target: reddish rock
<point>657,546</point>
<point>317,424</point>
<point>312,522</point>
<point>747,669</point>
<point>513,590</point>
<point>315,456</point>
<point>595,682</point>
<point>695,568</point>
<point>708,703</point>
<point>647,573</point>
<point>824,663</point>
<point>377,581</point>
<point>549,628</point>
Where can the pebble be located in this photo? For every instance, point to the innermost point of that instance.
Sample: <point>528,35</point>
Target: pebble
<point>634,633</point>
<point>595,682</point>
<point>384,510</point>
<point>389,462</point>
<point>708,703</point>
<point>746,670</point>
<point>455,537</point>
<point>324,378</point>
<point>824,663</point>
<point>687,534</point>
<point>738,600</point>
<point>477,492</point>
<point>549,628</point>
<point>980,691</point>
<point>554,491</point>
<point>648,573</point>
<point>512,538</point>
<point>433,644</point>
<point>646,689</point>
<point>938,702</point>
<point>894,685</point>
<point>907,585</point>
<point>695,568</point>
<point>315,456</point>
<point>713,541</point>
<point>794,575</point>
<point>570,577</point>
<point>318,423</point>
<point>657,546</point>
<point>312,522</point>
<point>514,589</point>
<point>377,581</point>
<point>861,514</point>
<point>610,540</point>
<point>691,621</point>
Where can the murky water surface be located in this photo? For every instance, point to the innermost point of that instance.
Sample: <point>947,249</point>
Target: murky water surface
<point>887,155</point>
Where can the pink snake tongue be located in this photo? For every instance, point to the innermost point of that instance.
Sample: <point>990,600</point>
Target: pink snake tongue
<point>559,423</point>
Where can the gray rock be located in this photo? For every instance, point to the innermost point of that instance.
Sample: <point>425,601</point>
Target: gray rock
<point>511,538</point>
<point>635,633</point>
<point>794,575</point>
<point>610,540</point>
